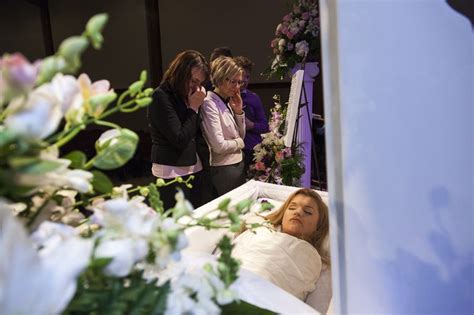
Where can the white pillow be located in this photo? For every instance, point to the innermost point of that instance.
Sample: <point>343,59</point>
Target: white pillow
<point>320,298</point>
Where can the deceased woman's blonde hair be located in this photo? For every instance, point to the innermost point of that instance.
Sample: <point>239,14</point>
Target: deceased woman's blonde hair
<point>322,230</point>
<point>223,68</point>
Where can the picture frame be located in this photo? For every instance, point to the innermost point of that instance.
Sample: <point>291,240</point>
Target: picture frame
<point>293,106</point>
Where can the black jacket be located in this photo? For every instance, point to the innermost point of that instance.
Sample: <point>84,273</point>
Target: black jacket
<point>175,131</point>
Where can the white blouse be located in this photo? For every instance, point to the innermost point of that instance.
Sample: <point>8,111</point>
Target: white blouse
<point>289,262</point>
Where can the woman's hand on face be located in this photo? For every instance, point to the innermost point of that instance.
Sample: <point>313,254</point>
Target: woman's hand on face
<point>235,102</point>
<point>196,98</point>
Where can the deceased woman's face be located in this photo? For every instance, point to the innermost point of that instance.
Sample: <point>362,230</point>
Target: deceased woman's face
<point>301,217</point>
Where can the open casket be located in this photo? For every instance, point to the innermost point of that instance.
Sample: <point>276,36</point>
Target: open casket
<point>250,287</point>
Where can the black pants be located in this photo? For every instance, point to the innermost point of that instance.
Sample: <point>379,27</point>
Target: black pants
<point>227,177</point>
<point>201,192</point>
<point>248,159</point>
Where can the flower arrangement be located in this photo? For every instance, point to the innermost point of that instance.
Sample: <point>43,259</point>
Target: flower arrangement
<point>296,38</point>
<point>72,243</point>
<point>274,162</point>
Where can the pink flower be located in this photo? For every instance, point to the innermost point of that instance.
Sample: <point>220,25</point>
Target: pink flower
<point>99,92</point>
<point>260,166</point>
<point>274,43</point>
<point>287,18</point>
<point>279,156</point>
<point>305,16</point>
<point>18,71</point>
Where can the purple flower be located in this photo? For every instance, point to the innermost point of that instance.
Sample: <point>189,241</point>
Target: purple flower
<point>302,48</point>
<point>305,16</point>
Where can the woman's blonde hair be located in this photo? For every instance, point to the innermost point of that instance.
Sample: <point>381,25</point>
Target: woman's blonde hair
<point>322,230</point>
<point>223,68</point>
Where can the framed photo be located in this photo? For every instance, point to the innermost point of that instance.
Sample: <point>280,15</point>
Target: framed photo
<point>293,106</point>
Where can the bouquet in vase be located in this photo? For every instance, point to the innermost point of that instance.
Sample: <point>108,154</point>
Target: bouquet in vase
<point>296,38</point>
<point>274,162</point>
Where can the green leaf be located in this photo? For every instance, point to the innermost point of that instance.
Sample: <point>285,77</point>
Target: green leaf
<point>243,205</point>
<point>22,161</point>
<point>264,206</point>
<point>242,307</point>
<point>100,262</point>
<point>224,204</point>
<point>29,166</point>
<point>117,151</point>
<point>101,182</point>
<point>154,198</point>
<point>77,158</point>
<point>7,137</point>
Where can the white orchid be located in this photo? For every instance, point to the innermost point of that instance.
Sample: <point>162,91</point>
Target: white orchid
<point>38,118</point>
<point>25,276</point>
<point>123,252</point>
<point>203,285</point>
<point>120,217</point>
<point>182,207</point>
<point>96,95</point>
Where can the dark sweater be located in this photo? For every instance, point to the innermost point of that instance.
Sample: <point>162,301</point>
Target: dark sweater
<point>175,131</point>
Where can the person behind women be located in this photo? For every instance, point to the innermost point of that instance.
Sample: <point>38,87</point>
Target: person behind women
<point>293,253</point>
<point>223,51</point>
<point>217,52</point>
<point>178,147</point>
<point>223,122</point>
<point>255,120</point>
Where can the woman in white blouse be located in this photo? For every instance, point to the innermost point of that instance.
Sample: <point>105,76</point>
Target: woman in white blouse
<point>223,122</point>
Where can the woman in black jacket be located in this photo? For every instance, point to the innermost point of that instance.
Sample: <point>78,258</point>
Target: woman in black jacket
<point>179,148</point>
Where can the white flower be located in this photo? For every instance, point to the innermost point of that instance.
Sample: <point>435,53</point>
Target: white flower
<point>45,107</point>
<point>302,48</point>
<point>25,276</point>
<point>197,284</point>
<point>121,191</point>
<point>77,179</point>
<point>178,302</point>
<point>66,90</point>
<point>39,118</point>
<point>99,90</point>
<point>124,253</point>
<point>49,235</point>
<point>120,217</point>
<point>183,207</point>
<point>282,42</point>
<point>226,296</point>
<point>278,29</point>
